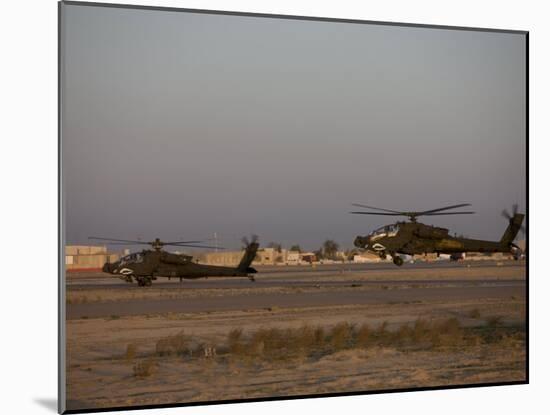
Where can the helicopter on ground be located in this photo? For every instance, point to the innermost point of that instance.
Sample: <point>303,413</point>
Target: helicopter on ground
<point>414,238</point>
<point>149,264</point>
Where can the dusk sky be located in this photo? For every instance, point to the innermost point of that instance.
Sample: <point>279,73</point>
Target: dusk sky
<point>180,125</point>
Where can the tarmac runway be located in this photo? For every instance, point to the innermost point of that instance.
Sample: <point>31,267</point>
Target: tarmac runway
<point>290,276</point>
<point>386,284</point>
<point>494,289</point>
<point>270,282</point>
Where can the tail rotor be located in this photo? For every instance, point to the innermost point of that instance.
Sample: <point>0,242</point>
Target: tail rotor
<point>250,248</point>
<point>515,225</point>
<point>510,217</point>
<point>247,242</point>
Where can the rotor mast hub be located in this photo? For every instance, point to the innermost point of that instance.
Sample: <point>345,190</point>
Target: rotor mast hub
<point>157,244</point>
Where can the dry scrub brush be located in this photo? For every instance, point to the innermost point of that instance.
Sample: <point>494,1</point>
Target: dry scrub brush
<point>144,368</point>
<point>130,351</point>
<point>178,344</point>
<point>277,344</point>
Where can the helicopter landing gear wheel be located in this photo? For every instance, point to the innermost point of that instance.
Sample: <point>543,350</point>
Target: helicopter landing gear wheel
<point>397,260</point>
<point>144,281</point>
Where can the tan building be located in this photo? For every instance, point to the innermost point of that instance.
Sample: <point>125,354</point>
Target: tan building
<point>264,256</point>
<point>270,256</point>
<point>223,259</point>
<point>293,258</point>
<point>87,258</point>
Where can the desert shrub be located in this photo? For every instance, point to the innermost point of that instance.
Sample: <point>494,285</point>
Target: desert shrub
<point>380,335</point>
<point>402,335</point>
<point>363,336</point>
<point>447,333</point>
<point>275,343</point>
<point>307,341</point>
<point>131,351</point>
<point>494,331</point>
<point>341,336</point>
<point>235,341</point>
<point>472,339</point>
<point>255,346</point>
<point>449,326</point>
<point>144,368</point>
<point>173,345</point>
<point>494,321</point>
<point>304,339</point>
<point>319,337</point>
<point>475,313</point>
<point>421,331</point>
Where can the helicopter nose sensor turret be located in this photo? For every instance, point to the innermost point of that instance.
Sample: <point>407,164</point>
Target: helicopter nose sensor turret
<point>108,267</point>
<point>361,242</point>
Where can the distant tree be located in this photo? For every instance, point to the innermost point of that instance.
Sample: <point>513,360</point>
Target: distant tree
<point>330,248</point>
<point>319,253</point>
<point>296,247</point>
<point>276,246</point>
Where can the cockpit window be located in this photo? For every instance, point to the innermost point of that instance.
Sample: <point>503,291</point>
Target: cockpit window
<point>392,229</point>
<point>388,230</point>
<point>134,258</point>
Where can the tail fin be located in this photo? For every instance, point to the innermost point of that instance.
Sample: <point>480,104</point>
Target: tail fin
<point>512,230</point>
<point>248,257</point>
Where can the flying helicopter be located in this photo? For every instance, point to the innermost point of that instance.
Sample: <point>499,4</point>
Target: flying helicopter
<point>413,237</point>
<point>149,264</point>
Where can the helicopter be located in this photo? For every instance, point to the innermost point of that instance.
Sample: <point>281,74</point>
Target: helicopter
<point>149,264</point>
<point>413,238</point>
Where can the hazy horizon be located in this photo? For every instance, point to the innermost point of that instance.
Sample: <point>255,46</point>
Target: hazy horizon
<point>182,125</point>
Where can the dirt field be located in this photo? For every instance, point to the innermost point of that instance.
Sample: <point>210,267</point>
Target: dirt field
<point>117,360</point>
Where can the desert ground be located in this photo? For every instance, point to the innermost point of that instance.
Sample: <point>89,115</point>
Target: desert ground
<point>295,331</point>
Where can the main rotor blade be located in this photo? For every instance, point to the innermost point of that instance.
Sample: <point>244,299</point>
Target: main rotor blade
<point>375,208</point>
<point>181,242</point>
<point>196,246</point>
<point>447,213</point>
<point>118,240</point>
<point>443,208</point>
<point>127,243</point>
<point>378,213</point>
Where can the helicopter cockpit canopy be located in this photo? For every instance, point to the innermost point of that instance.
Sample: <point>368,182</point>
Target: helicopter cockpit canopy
<point>132,258</point>
<point>385,231</point>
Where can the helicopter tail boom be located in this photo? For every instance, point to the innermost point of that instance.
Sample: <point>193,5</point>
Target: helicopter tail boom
<point>512,230</point>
